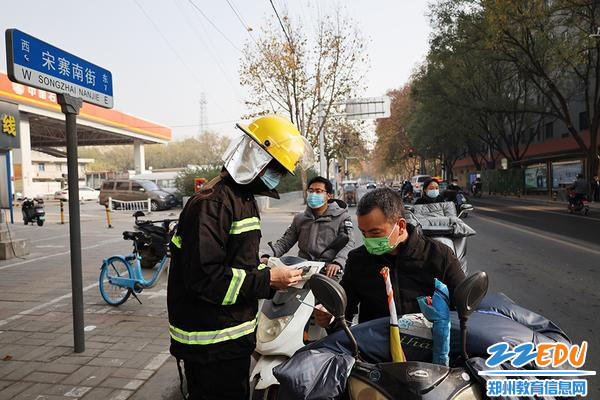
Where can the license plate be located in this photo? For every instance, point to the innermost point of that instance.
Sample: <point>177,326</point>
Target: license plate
<point>41,217</point>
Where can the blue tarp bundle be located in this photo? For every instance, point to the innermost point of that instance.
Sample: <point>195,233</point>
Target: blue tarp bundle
<point>438,313</point>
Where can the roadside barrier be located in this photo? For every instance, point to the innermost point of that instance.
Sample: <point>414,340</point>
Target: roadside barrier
<point>62,212</point>
<point>107,208</point>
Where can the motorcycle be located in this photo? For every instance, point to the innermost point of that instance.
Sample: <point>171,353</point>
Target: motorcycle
<point>441,222</point>
<point>408,197</point>
<point>578,204</point>
<point>409,380</point>
<point>460,200</point>
<point>282,320</point>
<point>153,245</point>
<point>33,211</point>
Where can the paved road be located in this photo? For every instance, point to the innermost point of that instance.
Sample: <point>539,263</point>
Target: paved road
<point>546,260</point>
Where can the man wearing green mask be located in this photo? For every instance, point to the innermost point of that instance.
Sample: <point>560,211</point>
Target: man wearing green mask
<point>414,261</point>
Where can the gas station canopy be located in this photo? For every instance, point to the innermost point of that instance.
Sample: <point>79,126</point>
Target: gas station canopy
<point>95,125</point>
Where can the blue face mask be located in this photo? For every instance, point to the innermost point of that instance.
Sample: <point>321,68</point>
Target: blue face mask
<point>433,193</point>
<point>271,178</point>
<point>315,200</point>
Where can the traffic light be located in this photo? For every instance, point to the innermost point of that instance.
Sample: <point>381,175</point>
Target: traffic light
<point>411,152</point>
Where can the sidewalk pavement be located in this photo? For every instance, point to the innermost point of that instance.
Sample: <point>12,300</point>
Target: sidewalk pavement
<point>124,349</point>
<point>538,200</point>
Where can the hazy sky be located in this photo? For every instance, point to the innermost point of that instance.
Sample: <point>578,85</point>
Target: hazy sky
<point>163,53</point>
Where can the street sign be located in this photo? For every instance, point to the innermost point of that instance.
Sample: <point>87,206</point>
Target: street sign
<point>38,64</point>
<point>368,108</point>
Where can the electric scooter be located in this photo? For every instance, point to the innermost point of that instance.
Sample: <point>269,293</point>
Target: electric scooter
<point>282,320</point>
<point>410,380</point>
<point>33,211</point>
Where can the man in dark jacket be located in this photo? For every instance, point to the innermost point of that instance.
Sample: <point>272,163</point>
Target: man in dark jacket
<point>317,227</point>
<point>414,261</point>
<point>215,278</point>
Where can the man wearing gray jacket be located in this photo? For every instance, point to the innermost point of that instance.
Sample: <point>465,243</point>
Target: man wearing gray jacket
<point>314,229</point>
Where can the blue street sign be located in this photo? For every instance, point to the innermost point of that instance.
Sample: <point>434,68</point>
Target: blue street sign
<point>38,64</point>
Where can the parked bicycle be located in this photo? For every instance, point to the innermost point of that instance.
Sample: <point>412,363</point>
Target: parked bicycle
<point>121,276</point>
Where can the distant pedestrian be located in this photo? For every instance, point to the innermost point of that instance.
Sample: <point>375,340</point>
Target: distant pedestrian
<point>579,188</point>
<point>596,188</point>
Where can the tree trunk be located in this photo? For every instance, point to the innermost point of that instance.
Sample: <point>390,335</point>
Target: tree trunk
<point>303,179</point>
<point>593,155</point>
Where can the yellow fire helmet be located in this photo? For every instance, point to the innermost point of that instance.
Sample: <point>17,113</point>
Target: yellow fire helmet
<point>282,140</point>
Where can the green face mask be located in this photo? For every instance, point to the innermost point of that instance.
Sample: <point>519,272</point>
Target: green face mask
<point>379,245</point>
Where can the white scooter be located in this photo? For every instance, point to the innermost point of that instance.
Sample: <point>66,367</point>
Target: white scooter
<point>282,320</point>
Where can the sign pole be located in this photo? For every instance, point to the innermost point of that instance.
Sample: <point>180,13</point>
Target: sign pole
<point>10,194</point>
<point>70,107</point>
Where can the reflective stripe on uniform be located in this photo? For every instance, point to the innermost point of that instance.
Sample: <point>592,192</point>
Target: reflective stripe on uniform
<point>244,225</point>
<point>234,286</point>
<point>261,266</point>
<point>176,239</point>
<point>212,337</point>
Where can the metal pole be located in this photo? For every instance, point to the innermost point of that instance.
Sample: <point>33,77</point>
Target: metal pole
<point>70,107</point>
<point>10,194</point>
<point>323,161</point>
<point>346,174</point>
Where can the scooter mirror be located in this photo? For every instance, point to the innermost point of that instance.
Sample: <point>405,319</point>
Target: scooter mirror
<point>469,293</point>
<point>138,214</point>
<point>330,294</point>
<point>466,206</point>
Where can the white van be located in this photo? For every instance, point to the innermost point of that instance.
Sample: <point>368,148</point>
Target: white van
<point>417,184</point>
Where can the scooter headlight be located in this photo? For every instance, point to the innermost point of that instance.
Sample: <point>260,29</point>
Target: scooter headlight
<point>361,391</point>
<point>268,329</point>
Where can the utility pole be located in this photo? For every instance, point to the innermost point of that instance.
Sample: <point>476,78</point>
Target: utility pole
<point>203,117</point>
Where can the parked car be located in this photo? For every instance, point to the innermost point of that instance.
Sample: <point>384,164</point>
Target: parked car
<point>164,180</point>
<point>417,183</point>
<point>139,189</point>
<point>85,193</point>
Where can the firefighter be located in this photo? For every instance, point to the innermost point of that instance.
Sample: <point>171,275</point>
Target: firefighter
<point>215,278</point>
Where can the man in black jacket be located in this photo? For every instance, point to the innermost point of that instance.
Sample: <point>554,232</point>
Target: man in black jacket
<point>215,277</point>
<point>414,261</point>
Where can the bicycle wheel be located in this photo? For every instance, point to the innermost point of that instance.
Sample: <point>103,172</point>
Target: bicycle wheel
<point>113,294</point>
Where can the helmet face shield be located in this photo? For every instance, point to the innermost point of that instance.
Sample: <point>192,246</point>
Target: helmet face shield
<point>244,159</point>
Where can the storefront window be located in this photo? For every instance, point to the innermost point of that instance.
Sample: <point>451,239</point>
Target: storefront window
<point>535,177</point>
<point>565,173</point>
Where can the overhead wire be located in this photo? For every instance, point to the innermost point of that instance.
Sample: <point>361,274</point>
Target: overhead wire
<point>214,26</point>
<point>211,51</point>
<point>260,49</point>
<point>185,64</point>
<point>174,50</point>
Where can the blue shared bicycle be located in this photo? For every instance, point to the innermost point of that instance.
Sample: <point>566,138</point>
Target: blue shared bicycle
<point>121,276</point>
